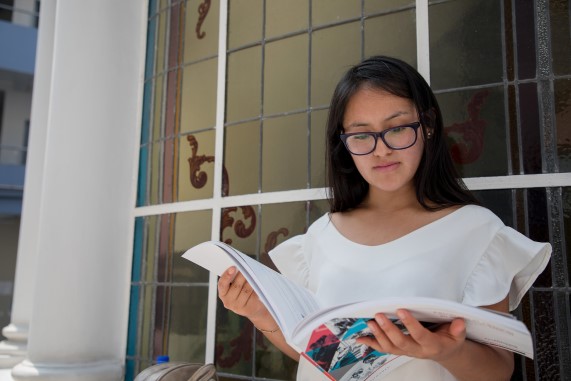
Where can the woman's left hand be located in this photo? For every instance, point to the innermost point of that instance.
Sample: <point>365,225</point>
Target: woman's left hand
<point>439,345</point>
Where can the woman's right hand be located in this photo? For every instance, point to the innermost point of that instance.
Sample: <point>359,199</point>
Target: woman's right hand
<point>238,296</point>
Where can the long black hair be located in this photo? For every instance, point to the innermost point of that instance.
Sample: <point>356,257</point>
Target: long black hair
<point>436,181</point>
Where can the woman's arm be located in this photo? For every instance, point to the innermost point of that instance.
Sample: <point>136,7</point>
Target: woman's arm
<point>465,359</point>
<point>238,296</point>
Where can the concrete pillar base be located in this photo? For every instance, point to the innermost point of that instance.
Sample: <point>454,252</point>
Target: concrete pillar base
<point>101,371</point>
<point>6,375</point>
<point>13,350</point>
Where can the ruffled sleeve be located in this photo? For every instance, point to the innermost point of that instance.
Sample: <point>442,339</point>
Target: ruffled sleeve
<point>290,260</point>
<point>510,265</point>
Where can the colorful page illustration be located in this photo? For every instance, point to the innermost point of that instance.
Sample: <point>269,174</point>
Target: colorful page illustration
<point>333,347</point>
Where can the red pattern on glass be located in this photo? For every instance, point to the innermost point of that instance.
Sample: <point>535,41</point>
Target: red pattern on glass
<point>198,179</point>
<point>203,9</point>
<point>271,242</point>
<point>241,346</point>
<point>468,136</point>
<point>240,227</point>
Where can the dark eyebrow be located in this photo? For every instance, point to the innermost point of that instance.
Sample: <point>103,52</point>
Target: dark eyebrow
<point>396,114</point>
<point>390,117</point>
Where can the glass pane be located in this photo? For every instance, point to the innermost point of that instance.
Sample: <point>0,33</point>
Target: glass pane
<point>196,166</point>
<point>474,125</point>
<point>530,129</point>
<point>376,6</point>
<point>524,12</point>
<point>157,109</point>
<point>563,121</point>
<point>198,109</point>
<point>150,249</point>
<point>175,35</point>
<point>465,43</point>
<point>245,19</point>
<point>380,32</point>
<point>538,227</point>
<point>333,50</point>
<point>243,92</point>
<point>545,335</point>
<point>160,321</point>
<point>147,107</point>
<point>281,222</point>
<point>187,324</point>
<point>560,36</point>
<point>331,11</point>
<point>150,54</point>
<point>153,7</point>
<point>143,176</point>
<point>161,42</point>
<point>201,29</point>
<point>317,209</point>
<point>284,17</point>
<point>566,200</point>
<point>285,75</point>
<point>242,158</point>
<point>500,202</point>
<point>146,316</point>
<point>318,129</point>
<point>191,228</point>
<point>155,175</point>
<point>284,153</point>
<point>234,343</point>
<point>271,363</point>
<point>514,152</point>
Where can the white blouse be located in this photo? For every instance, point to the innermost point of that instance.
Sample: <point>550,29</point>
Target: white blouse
<point>467,256</point>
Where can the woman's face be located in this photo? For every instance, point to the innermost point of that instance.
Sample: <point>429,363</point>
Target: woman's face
<point>373,110</point>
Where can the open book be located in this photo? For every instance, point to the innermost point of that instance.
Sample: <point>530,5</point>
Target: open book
<point>326,337</point>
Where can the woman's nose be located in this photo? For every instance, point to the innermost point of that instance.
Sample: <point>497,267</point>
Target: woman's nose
<point>381,149</point>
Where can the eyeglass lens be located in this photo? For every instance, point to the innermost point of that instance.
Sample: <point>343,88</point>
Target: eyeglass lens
<point>394,138</point>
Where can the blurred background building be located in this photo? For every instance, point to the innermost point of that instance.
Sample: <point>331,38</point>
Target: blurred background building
<point>18,36</point>
<point>159,124</point>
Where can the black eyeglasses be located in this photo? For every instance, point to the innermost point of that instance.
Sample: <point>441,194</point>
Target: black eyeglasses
<point>397,138</point>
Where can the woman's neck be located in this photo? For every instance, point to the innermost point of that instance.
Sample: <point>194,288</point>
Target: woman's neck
<point>389,202</point>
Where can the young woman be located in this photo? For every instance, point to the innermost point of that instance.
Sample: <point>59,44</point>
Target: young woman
<point>401,224</point>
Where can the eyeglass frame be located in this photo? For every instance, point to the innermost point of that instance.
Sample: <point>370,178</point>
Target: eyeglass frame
<point>381,134</point>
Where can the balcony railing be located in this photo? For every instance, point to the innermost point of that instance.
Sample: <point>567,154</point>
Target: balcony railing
<point>20,16</point>
<point>13,155</point>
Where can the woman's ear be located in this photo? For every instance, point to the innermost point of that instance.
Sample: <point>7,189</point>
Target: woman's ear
<point>428,121</point>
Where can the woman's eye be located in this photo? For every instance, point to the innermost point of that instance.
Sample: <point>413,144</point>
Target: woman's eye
<point>396,130</point>
<point>361,137</point>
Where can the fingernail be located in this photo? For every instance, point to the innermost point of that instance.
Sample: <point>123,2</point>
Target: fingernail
<point>372,327</point>
<point>380,319</point>
<point>231,270</point>
<point>401,315</point>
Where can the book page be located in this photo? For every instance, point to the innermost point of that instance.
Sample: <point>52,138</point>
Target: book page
<point>286,301</point>
<point>481,325</point>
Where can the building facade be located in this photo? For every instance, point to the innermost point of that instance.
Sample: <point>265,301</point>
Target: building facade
<point>159,125</point>
<point>18,34</point>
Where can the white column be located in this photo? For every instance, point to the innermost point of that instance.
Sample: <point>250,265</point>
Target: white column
<point>78,323</point>
<point>13,350</point>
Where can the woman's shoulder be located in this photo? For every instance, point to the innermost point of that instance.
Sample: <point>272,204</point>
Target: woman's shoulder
<point>479,214</point>
<point>320,224</point>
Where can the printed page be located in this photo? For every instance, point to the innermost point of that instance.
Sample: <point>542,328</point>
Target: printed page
<point>288,302</point>
<point>333,349</point>
<point>481,325</point>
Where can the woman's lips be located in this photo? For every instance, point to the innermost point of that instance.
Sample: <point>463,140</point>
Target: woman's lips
<point>385,167</point>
